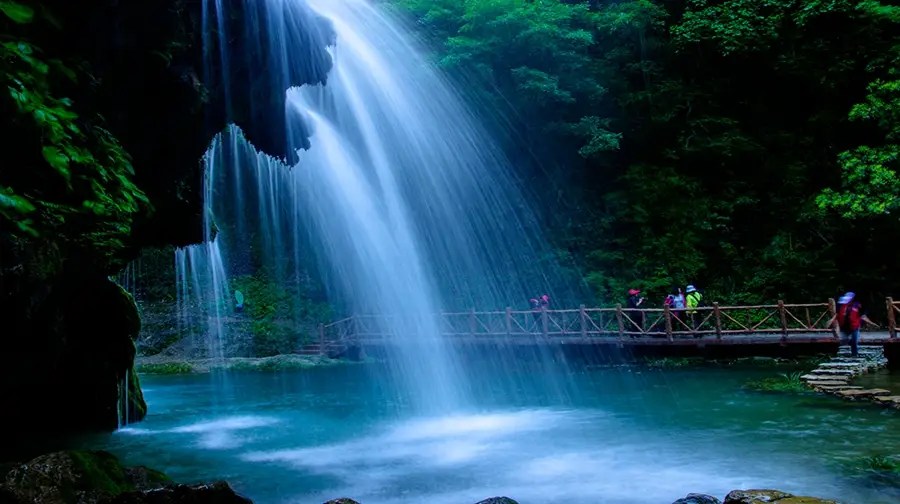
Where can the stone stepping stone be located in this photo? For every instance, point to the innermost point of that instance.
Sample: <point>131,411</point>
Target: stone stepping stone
<point>836,388</point>
<point>821,371</point>
<point>854,394</point>
<point>827,383</point>
<point>849,359</point>
<point>824,377</point>
<point>842,365</point>
<point>887,400</point>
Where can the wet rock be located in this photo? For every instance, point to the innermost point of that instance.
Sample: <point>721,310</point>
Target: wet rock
<point>219,493</point>
<point>67,478</point>
<point>863,394</point>
<point>498,500</point>
<point>765,496</point>
<point>698,499</point>
<point>342,500</point>
<point>755,496</point>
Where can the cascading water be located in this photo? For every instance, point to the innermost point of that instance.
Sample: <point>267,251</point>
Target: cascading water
<point>397,192</point>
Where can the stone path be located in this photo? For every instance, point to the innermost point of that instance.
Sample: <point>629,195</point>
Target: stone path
<point>835,376</point>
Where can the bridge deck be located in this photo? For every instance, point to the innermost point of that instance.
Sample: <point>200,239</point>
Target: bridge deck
<point>871,338</point>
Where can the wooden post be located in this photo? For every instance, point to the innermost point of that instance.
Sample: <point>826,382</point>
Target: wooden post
<point>783,316</point>
<point>718,316</point>
<point>667,312</point>
<point>583,316</point>
<point>508,321</point>
<point>545,324</point>
<point>620,320</point>
<point>832,310</point>
<point>322,339</point>
<point>473,328</point>
<point>891,318</point>
<point>354,328</point>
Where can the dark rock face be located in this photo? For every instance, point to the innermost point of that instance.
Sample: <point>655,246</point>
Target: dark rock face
<point>698,499</point>
<point>498,500</point>
<point>343,500</point>
<point>161,85</point>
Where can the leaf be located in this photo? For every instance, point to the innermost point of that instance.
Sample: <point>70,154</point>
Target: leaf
<point>56,159</point>
<point>19,13</point>
<point>239,297</point>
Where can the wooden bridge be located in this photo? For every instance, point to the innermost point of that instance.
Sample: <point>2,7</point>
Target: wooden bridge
<point>780,323</point>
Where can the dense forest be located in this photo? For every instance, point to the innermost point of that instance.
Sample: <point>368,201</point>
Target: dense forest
<point>749,147</point>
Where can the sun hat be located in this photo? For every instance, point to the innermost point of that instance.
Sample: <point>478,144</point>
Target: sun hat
<point>846,298</point>
<point>691,288</point>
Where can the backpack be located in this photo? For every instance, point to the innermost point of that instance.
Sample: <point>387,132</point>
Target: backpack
<point>850,317</point>
<point>697,296</point>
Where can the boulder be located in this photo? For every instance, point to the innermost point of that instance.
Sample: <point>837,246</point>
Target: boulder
<point>498,500</point>
<point>342,500</point>
<point>765,496</point>
<point>81,477</point>
<point>219,493</point>
<point>698,499</point>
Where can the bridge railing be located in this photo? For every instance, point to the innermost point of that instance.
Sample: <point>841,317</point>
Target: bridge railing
<point>781,318</point>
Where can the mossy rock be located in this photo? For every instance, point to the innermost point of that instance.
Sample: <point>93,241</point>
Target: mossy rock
<point>766,496</point>
<point>76,477</point>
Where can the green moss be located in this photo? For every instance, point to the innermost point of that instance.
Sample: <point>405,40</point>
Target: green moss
<point>275,314</point>
<point>101,472</point>
<point>136,404</point>
<point>675,362</point>
<point>782,383</point>
<point>167,368</point>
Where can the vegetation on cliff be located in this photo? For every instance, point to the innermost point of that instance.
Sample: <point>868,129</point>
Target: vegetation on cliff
<point>748,147</point>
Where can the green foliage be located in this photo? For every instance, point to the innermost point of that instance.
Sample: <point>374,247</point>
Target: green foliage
<point>71,173</point>
<point>279,318</point>
<point>17,12</point>
<point>695,141</point>
<point>239,298</point>
<point>167,368</point>
<point>870,184</point>
<point>784,382</point>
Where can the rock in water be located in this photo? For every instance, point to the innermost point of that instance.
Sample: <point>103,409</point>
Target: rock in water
<point>766,496</point>
<point>698,499</point>
<point>219,493</point>
<point>97,477</point>
<point>68,477</point>
<point>342,500</point>
<point>498,500</point>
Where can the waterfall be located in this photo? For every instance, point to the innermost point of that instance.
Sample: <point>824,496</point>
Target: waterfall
<point>398,199</point>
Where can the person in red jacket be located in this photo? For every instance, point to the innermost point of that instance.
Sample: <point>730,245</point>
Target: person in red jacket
<point>850,317</point>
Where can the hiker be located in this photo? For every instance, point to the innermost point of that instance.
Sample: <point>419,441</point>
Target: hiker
<point>545,302</point>
<point>693,298</point>
<point>676,304</point>
<point>535,309</point>
<point>850,316</point>
<point>634,301</point>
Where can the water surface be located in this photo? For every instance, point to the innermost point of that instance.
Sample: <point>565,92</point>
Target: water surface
<point>607,435</point>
